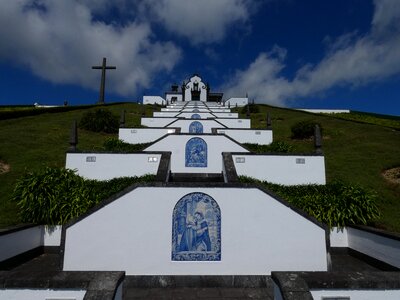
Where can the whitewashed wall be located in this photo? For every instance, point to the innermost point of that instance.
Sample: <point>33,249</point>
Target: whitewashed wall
<point>168,97</point>
<point>143,135</point>
<point>105,166</point>
<point>167,114</point>
<point>253,136</point>
<point>156,122</point>
<point>236,123</point>
<point>357,294</point>
<point>338,237</point>
<point>282,169</point>
<point>190,110</point>
<point>203,115</point>
<point>202,88</point>
<point>239,101</point>
<point>374,245</point>
<point>42,294</point>
<point>258,235</point>
<point>153,100</point>
<point>23,240</point>
<point>226,115</point>
<point>207,125</point>
<point>176,144</point>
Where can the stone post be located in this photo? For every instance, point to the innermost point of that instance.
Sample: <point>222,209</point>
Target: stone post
<point>248,110</point>
<point>73,139</point>
<point>122,119</point>
<point>269,123</point>
<point>317,139</point>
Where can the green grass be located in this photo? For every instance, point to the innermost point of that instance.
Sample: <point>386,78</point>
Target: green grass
<point>355,152</point>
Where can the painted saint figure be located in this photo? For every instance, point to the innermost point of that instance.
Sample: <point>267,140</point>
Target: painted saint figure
<point>196,236</point>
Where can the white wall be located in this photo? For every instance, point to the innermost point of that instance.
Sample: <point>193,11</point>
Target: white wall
<point>105,166</point>
<point>253,136</point>
<point>156,122</point>
<point>42,294</point>
<point>207,125</point>
<point>239,101</point>
<point>376,246</point>
<point>258,235</point>
<point>188,115</point>
<point>153,100</point>
<point>169,97</point>
<point>338,237</point>
<point>20,241</point>
<point>226,115</point>
<point>236,123</point>
<point>176,144</point>
<point>282,169</point>
<point>168,114</point>
<point>143,135</point>
<point>189,87</point>
<point>358,294</point>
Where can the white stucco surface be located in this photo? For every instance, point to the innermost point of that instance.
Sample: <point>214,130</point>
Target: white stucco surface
<point>203,115</point>
<point>358,294</point>
<point>236,123</point>
<point>156,122</point>
<point>252,136</point>
<point>143,135</point>
<point>338,237</point>
<point>20,241</point>
<point>168,114</point>
<point>207,125</point>
<point>215,145</point>
<point>282,169</point>
<point>258,235</point>
<point>105,166</point>
<point>374,245</point>
<point>325,111</point>
<point>153,100</point>
<point>41,294</point>
<point>237,101</point>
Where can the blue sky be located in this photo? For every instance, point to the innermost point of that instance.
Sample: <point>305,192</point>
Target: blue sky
<point>309,53</point>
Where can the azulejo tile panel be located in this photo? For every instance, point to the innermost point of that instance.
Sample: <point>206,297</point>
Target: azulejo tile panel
<point>196,153</point>
<point>196,127</point>
<point>195,116</point>
<point>196,229</point>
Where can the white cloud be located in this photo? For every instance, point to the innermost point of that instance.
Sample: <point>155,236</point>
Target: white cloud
<point>350,60</point>
<point>59,41</point>
<point>202,22</point>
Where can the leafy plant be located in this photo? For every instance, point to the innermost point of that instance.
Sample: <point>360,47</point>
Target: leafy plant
<point>55,195</point>
<point>100,120</point>
<point>252,108</point>
<point>116,145</point>
<point>304,129</point>
<point>335,204</point>
<point>275,146</point>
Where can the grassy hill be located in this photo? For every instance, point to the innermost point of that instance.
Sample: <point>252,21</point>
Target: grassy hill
<point>356,151</point>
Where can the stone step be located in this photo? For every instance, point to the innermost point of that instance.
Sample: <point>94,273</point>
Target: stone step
<point>196,177</point>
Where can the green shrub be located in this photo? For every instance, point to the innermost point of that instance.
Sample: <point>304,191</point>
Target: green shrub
<point>304,129</point>
<point>100,120</point>
<point>116,145</point>
<point>335,204</point>
<point>55,196</point>
<point>276,147</point>
<point>252,107</point>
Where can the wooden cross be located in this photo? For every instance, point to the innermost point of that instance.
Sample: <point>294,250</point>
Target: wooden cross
<point>103,69</point>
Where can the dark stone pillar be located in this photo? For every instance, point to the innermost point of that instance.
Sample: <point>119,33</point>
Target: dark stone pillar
<point>73,140</point>
<point>317,139</point>
<point>269,123</point>
<point>122,119</point>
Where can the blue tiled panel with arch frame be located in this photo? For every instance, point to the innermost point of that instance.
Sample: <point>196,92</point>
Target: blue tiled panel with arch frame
<point>195,116</point>
<point>196,153</point>
<point>196,127</point>
<point>196,229</point>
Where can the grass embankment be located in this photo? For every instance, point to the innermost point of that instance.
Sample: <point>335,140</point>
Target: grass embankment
<point>32,143</point>
<point>355,152</point>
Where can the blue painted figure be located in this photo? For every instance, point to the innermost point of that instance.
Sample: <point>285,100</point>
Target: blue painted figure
<point>196,153</point>
<point>195,116</point>
<point>196,232</point>
<point>195,110</point>
<point>195,127</point>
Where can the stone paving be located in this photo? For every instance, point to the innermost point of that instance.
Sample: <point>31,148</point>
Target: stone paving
<point>198,293</point>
